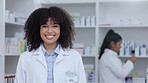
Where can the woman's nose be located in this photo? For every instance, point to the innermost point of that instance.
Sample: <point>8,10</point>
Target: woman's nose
<point>50,29</point>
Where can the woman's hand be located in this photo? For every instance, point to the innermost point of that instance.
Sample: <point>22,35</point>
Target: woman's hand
<point>133,59</point>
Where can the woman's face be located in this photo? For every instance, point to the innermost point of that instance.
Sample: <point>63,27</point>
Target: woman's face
<point>50,32</point>
<point>116,46</point>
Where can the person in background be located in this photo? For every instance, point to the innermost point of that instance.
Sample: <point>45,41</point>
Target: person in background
<point>49,33</point>
<point>111,68</point>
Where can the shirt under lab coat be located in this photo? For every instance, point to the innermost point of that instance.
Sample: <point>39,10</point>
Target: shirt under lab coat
<point>111,68</point>
<point>68,67</point>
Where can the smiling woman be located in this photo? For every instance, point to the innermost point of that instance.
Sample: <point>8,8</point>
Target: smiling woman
<point>49,33</point>
<point>44,17</point>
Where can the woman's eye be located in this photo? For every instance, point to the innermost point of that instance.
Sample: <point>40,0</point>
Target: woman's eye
<point>44,26</point>
<point>55,26</point>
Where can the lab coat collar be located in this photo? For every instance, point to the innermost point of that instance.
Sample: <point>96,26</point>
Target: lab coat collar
<point>38,53</point>
<point>111,51</point>
<point>56,51</point>
<point>63,53</point>
<point>41,58</point>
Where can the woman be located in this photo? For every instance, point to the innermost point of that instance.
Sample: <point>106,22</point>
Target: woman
<point>111,68</point>
<point>50,58</point>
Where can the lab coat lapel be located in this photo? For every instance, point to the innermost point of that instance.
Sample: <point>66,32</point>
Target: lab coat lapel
<point>61,55</point>
<point>40,57</point>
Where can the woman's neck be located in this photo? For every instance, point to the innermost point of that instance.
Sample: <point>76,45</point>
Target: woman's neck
<point>50,47</point>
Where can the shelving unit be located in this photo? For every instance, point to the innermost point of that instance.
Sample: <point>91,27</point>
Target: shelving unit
<point>2,35</point>
<point>8,62</point>
<point>129,19</point>
<point>127,31</point>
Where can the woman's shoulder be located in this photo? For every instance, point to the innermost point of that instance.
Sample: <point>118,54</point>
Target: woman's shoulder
<point>25,55</point>
<point>73,53</point>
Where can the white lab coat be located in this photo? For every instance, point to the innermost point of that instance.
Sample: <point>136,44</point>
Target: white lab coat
<point>68,67</point>
<point>111,69</point>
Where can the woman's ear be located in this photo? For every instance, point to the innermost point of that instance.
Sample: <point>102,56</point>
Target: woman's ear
<point>112,45</point>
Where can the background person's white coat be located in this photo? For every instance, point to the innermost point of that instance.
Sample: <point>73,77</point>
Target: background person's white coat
<point>111,68</point>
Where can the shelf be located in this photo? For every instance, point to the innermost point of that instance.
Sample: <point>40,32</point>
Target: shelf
<point>124,26</point>
<point>12,54</point>
<point>45,2</point>
<point>86,27</point>
<point>135,56</point>
<point>14,23</point>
